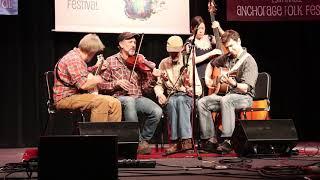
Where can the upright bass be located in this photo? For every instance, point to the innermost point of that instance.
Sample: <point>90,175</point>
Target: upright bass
<point>217,87</point>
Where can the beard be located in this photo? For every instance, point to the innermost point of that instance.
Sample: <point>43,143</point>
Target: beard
<point>131,52</point>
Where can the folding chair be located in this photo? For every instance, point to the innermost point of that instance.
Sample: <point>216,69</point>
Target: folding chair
<point>261,102</point>
<point>52,111</point>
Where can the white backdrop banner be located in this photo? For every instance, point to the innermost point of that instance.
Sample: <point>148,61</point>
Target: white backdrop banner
<point>116,16</point>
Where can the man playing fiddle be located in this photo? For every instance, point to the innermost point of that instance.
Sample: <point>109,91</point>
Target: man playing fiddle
<point>178,103</point>
<point>129,85</point>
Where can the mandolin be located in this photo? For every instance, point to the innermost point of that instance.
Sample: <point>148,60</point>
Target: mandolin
<point>101,59</point>
<point>97,72</point>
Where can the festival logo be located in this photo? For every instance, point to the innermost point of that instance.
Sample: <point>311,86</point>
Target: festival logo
<point>143,9</point>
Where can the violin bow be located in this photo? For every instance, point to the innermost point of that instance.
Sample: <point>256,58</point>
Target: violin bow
<point>135,61</point>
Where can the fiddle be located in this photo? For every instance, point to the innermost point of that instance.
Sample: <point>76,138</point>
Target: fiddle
<point>140,63</point>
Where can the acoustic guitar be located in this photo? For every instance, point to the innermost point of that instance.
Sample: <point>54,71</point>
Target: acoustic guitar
<point>218,87</point>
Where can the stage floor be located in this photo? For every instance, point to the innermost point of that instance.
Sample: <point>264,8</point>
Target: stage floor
<point>209,167</point>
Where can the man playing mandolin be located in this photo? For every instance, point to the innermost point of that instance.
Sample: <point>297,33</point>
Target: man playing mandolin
<point>127,76</point>
<point>239,95</point>
<point>72,77</point>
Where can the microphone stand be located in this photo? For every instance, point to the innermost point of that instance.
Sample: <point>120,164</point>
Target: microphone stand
<point>193,52</point>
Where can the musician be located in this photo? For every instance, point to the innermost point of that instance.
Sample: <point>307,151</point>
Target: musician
<point>205,45</point>
<point>239,96</point>
<point>72,77</point>
<point>177,84</point>
<point>129,85</point>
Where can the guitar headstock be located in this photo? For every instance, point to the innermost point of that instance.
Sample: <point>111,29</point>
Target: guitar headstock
<point>212,7</point>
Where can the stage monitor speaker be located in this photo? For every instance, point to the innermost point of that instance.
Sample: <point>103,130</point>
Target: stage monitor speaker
<point>274,137</point>
<point>78,157</point>
<point>127,132</point>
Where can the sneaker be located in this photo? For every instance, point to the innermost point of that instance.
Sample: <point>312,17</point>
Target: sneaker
<point>225,147</point>
<point>144,148</point>
<point>209,146</point>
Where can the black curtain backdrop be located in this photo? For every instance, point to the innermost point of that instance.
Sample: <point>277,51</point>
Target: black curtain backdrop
<point>29,47</point>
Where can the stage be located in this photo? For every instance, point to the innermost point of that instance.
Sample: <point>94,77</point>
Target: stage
<point>303,165</point>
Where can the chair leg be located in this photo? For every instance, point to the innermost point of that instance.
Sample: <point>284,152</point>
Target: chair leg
<point>162,134</point>
<point>245,115</point>
<point>75,119</point>
<point>48,129</point>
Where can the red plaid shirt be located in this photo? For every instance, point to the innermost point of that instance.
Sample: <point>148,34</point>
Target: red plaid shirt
<point>73,70</point>
<point>117,70</point>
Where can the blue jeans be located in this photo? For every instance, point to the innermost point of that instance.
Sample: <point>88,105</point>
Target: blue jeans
<point>132,106</point>
<point>227,105</point>
<point>179,109</point>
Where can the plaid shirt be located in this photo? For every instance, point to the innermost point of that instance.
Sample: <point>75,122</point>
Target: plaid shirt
<point>73,70</point>
<point>117,70</point>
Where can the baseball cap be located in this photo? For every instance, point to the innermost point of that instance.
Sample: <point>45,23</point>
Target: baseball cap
<point>126,35</point>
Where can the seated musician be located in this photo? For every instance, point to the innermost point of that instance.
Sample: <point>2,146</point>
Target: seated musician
<point>129,85</point>
<point>240,94</point>
<point>72,78</point>
<point>177,84</point>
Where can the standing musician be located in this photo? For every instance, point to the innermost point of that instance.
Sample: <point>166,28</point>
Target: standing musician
<point>178,86</point>
<point>72,77</point>
<point>240,94</point>
<point>127,77</point>
<point>204,45</point>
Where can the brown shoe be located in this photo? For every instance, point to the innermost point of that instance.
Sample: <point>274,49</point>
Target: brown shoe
<point>186,144</point>
<point>144,148</point>
<point>174,147</point>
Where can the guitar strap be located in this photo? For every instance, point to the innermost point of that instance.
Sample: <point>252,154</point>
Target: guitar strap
<point>239,62</point>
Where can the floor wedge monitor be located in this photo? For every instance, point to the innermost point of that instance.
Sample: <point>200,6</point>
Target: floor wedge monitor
<point>264,137</point>
<point>127,133</point>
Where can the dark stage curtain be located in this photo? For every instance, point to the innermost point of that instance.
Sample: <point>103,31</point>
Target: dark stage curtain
<point>29,47</point>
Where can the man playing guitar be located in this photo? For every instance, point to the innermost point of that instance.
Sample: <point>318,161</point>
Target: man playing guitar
<point>240,94</point>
